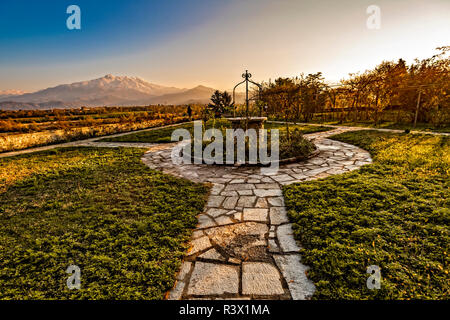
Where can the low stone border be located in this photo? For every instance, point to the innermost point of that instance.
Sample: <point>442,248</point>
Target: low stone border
<point>299,158</point>
<point>281,161</point>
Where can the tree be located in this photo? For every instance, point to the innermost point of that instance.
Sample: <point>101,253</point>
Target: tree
<point>282,95</point>
<point>221,102</point>
<point>392,91</point>
<point>312,94</point>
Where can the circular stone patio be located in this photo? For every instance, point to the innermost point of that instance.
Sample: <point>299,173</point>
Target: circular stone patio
<point>243,247</point>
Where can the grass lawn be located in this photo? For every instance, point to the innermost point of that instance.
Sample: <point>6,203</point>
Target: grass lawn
<point>163,135</point>
<point>126,226</point>
<point>390,125</point>
<point>394,213</point>
<point>304,129</point>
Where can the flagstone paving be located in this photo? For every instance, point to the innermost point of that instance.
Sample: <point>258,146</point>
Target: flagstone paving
<point>243,247</point>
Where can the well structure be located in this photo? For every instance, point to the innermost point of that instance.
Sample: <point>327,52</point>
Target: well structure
<point>246,122</point>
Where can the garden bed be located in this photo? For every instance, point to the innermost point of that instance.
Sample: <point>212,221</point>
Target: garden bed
<point>291,149</point>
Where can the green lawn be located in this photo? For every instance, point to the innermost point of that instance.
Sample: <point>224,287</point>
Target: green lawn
<point>126,226</point>
<point>304,129</point>
<point>163,135</point>
<point>390,125</point>
<point>394,213</point>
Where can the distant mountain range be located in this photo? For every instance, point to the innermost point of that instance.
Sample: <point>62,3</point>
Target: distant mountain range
<point>106,91</point>
<point>11,93</point>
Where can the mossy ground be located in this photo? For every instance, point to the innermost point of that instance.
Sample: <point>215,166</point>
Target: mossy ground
<point>393,213</point>
<point>389,125</point>
<point>126,226</point>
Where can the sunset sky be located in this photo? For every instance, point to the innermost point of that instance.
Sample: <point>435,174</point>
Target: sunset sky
<point>210,42</point>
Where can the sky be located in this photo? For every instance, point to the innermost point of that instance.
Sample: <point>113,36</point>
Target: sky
<point>210,42</point>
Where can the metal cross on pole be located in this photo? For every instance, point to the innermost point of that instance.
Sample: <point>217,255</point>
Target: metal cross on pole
<point>247,77</point>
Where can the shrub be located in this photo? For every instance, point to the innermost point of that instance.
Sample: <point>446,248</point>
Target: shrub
<point>295,146</point>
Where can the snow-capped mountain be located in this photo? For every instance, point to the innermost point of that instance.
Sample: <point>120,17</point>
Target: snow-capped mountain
<point>106,91</point>
<point>10,93</point>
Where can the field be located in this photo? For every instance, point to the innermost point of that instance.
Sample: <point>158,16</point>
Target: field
<point>43,120</point>
<point>393,213</point>
<point>125,225</point>
<point>25,129</point>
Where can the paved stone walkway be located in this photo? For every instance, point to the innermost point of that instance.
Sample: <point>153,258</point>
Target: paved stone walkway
<point>243,247</point>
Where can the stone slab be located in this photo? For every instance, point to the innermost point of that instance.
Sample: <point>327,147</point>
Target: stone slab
<point>294,272</point>
<point>213,279</point>
<point>260,279</point>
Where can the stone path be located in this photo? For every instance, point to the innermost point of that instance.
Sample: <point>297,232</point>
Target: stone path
<point>243,247</point>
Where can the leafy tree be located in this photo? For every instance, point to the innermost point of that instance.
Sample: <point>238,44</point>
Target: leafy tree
<point>221,102</point>
<point>312,94</point>
<point>392,91</point>
<point>282,97</point>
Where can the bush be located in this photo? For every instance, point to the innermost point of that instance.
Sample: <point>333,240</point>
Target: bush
<point>296,146</point>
